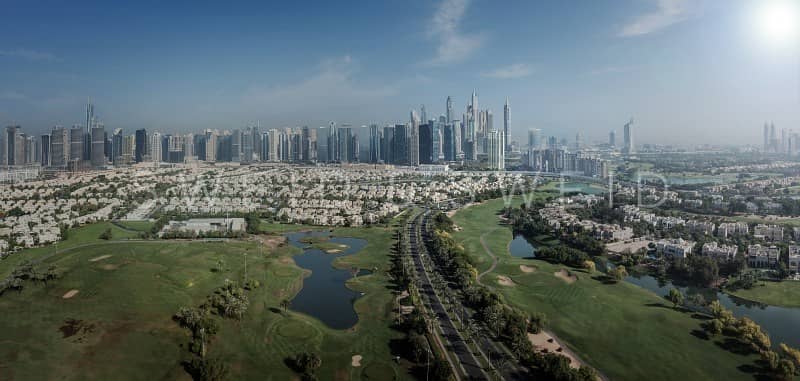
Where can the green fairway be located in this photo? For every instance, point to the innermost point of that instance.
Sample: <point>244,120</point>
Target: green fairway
<point>118,325</point>
<point>784,294</point>
<point>624,331</point>
<point>139,226</point>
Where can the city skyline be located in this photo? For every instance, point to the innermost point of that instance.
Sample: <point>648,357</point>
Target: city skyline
<point>589,77</point>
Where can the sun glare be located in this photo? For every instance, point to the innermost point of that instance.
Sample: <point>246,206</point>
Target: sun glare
<point>778,21</point>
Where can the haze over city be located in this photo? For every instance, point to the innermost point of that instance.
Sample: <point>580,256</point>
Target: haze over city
<point>444,190</point>
<point>686,71</point>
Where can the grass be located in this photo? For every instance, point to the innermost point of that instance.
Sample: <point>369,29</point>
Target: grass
<point>139,226</point>
<point>784,294</point>
<point>624,331</point>
<point>128,299</point>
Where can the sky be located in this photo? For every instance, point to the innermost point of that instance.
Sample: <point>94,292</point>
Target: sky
<point>686,71</point>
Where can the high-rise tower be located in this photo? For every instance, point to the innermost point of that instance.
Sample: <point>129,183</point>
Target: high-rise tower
<point>628,137</point>
<point>449,114</point>
<point>506,116</point>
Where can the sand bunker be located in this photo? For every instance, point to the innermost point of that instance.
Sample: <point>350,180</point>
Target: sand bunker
<point>356,362</point>
<point>547,344</point>
<point>505,281</point>
<point>565,276</point>
<point>109,267</point>
<point>100,258</point>
<point>333,251</point>
<point>70,294</point>
<point>527,269</point>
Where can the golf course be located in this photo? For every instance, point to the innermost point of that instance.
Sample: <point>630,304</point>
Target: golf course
<point>625,332</point>
<point>109,313</point>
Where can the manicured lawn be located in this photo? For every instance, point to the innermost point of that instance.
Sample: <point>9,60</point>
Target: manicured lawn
<point>78,237</point>
<point>126,299</point>
<point>141,226</point>
<point>624,331</point>
<point>785,294</point>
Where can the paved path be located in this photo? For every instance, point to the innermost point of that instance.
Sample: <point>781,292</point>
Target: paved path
<point>486,249</point>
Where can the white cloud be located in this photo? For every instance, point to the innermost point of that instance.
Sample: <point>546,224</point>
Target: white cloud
<point>31,55</point>
<point>11,95</point>
<point>453,45</point>
<point>330,90</point>
<point>611,70</point>
<point>668,12</point>
<point>517,70</point>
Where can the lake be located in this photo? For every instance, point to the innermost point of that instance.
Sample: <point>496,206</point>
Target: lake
<point>780,323</point>
<point>587,188</point>
<point>324,294</point>
<point>521,248</point>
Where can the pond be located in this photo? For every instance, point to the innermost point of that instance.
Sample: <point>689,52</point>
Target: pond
<point>587,188</point>
<point>521,248</point>
<point>324,294</point>
<point>779,322</point>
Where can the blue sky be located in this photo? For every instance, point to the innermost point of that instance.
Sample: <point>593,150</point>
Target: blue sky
<point>686,71</point>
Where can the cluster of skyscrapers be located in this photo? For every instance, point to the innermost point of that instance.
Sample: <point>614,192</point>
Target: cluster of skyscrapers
<point>445,139</point>
<point>788,143</point>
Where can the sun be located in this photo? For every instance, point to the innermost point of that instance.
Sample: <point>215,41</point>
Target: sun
<point>778,20</point>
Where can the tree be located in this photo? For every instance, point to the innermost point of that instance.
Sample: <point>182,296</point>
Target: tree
<point>790,353</point>
<point>285,304</point>
<point>440,370</point>
<point>589,266</point>
<point>714,327</point>
<point>618,273</point>
<point>785,370</point>
<point>676,297</point>
<point>306,363</point>
<point>419,348</point>
<point>207,369</point>
<point>106,234</point>
<point>696,300</point>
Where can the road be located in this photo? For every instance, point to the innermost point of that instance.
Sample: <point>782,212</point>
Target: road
<point>469,365</point>
<point>490,347</point>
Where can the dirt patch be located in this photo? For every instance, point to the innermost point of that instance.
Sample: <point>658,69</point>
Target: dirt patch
<point>505,281</point>
<point>271,242</point>
<point>527,269</point>
<point>73,327</point>
<point>70,294</point>
<point>109,267</point>
<point>565,276</point>
<point>100,258</point>
<point>356,361</point>
<point>545,343</point>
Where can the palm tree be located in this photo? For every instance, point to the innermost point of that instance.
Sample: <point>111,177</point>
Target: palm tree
<point>285,304</point>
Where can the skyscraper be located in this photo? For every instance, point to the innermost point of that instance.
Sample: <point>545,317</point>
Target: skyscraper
<point>534,138</point>
<point>449,113</point>
<point>59,146</point>
<point>116,146</point>
<point>506,116</point>
<point>400,145</point>
<point>76,143</point>
<point>374,143</point>
<point>612,138</point>
<point>387,142</point>
<point>11,144</point>
<point>345,144</point>
<point>426,143</point>
<point>333,141</point>
<point>44,159</point>
<point>629,147</point>
<point>141,145</point>
<point>766,137</point>
<point>154,146</point>
<point>87,135</point>
<point>495,147</point>
<point>98,150</point>
<point>413,140</point>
